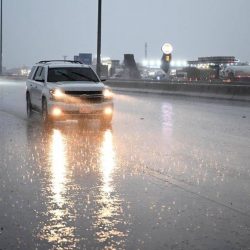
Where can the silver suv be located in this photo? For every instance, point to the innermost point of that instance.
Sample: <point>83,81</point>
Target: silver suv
<point>62,90</point>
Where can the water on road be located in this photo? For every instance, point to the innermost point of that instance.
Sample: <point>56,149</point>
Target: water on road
<point>171,173</point>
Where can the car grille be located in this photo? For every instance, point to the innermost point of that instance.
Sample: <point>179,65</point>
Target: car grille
<point>76,112</point>
<point>86,96</point>
<point>78,93</point>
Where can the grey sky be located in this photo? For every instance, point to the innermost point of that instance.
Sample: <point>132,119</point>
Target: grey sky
<point>49,29</point>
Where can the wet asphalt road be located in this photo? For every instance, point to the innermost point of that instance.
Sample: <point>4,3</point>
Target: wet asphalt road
<point>171,173</point>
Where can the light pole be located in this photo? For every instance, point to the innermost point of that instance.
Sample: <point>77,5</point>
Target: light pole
<point>99,38</point>
<point>1,40</point>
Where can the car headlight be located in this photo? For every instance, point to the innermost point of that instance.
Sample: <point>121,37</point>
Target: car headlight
<point>56,93</point>
<point>107,94</point>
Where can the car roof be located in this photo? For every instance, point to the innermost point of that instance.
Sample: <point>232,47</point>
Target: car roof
<point>62,63</point>
<point>68,66</point>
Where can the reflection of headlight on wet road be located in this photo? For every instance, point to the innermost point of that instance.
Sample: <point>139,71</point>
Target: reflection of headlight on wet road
<point>58,167</point>
<point>54,229</point>
<point>108,161</point>
<point>107,224</point>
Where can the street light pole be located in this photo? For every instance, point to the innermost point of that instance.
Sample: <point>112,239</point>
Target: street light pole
<point>1,40</point>
<point>99,38</point>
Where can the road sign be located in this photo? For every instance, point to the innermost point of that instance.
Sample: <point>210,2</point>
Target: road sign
<point>167,48</point>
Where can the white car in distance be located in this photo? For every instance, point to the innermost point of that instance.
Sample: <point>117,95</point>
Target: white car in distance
<point>63,90</point>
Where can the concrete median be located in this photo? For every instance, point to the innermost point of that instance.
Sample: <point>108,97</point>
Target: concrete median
<point>199,89</point>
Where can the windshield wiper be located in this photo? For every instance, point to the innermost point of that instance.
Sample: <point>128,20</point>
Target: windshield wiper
<point>86,77</point>
<point>60,72</point>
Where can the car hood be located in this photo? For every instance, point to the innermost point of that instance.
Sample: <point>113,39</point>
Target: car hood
<point>77,86</point>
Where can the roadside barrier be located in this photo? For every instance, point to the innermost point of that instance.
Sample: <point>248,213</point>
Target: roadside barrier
<point>208,90</point>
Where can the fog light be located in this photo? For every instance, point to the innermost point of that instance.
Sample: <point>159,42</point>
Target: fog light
<point>56,112</point>
<point>108,111</point>
<point>107,94</point>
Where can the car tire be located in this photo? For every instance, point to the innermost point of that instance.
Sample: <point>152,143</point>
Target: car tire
<point>45,116</point>
<point>28,106</point>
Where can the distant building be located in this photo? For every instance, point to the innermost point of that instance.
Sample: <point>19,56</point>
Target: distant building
<point>131,70</point>
<point>108,66</point>
<point>207,68</point>
<point>115,65</point>
<point>76,58</point>
<point>203,62</point>
<point>85,58</point>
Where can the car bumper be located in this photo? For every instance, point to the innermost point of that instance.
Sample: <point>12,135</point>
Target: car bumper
<point>77,111</point>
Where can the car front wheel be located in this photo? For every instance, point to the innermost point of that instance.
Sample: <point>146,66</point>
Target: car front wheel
<point>45,116</point>
<point>28,106</point>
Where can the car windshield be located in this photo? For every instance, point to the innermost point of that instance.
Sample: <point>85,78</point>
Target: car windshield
<point>67,74</point>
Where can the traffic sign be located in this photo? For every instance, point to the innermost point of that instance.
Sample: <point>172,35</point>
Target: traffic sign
<point>167,48</point>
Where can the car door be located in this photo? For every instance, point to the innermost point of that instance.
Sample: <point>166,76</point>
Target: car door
<point>39,89</point>
<point>32,86</point>
<point>30,82</point>
<point>39,81</point>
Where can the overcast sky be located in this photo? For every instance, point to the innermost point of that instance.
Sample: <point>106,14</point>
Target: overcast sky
<point>48,29</point>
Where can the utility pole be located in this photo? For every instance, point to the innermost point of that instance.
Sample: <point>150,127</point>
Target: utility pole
<point>146,51</point>
<point>1,40</point>
<point>99,38</point>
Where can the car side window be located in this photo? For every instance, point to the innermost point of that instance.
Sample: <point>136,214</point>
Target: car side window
<point>40,74</point>
<point>38,71</point>
<point>32,72</point>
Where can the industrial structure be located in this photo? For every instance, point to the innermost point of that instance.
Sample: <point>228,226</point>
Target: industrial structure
<point>204,62</point>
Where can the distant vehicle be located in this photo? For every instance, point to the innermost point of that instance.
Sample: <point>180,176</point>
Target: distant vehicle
<point>160,75</point>
<point>180,77</point>
<point>235,73</point>
<point>116,75</point>
<point>62,90</point>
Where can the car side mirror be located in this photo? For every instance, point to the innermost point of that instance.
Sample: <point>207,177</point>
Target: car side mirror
<point>103,80</point>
